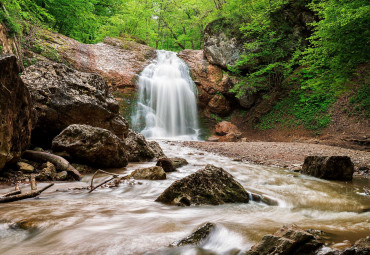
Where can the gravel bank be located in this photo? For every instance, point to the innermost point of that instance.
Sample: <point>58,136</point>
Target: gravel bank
<point>287,155</point>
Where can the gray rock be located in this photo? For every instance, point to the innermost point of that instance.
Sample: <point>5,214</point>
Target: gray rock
<point>16,112</point>
<point>331,168</point>
<point>138,148</point>
<point>157,150</point>
<point>150,173</point>
<point>92,145</point>
<point>64,96</point>
<point>178,162</point>
<point>197,237</point>
<point>211,185</point>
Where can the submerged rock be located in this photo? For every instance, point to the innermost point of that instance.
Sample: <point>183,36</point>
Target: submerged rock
<point>289,240</point>
<point>92,145</point>
<point>197,237</point>
<point>178,162</point>
<point>211,185</point>
<point>16,112</point>
<point>64,96</point>
<point>331,168</point>
<point>138,148</point>
<point>150,173</point>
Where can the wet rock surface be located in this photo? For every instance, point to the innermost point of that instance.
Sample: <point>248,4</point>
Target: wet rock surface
<point>64,96</point>
<point>157,150</point>
<point>197,237</point>
<point>92,145</point>
<point>178,162</point>
<point>211,185</point>
<point>150,173</point>
<point>289,240</point>
<point>330,168</point>
<point>166,164</point>
<point>16,112</point>
<point>138,148</point>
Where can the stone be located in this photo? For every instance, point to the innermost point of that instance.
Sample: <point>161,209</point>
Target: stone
<point>138,148</point>
<point>288,240</point>
<point>247,100</point>
<point>230,137</point>
<point>211,185</point>
<point>223,43</point>
<point>225,127</point>
<point>166,164</point>
<point>92,145</point>
<point>150,173</point>
<point>361,247</point>
<point>329,167</point>
<point>157,150</point>
<point>48,173</point>
<point>213,138</point>
<point>22,166</point>
<point>117,60</point>
<point>219,105</point>
<point>178,162</point>
<point>16,112</point>
<point>198,236</point>
<point>62,176</point>
<point>64,96</point>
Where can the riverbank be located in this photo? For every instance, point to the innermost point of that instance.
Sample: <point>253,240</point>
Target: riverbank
<point>282,154</point>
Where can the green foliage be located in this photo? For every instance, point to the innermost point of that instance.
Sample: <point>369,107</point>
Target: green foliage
<point>362,99</point>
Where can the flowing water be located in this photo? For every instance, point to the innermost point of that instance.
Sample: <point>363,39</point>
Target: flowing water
<point>167,100</point>
<point>126,220</point>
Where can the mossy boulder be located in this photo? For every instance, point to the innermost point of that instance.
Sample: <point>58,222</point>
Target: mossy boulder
<point>149,173</point>
<point>211,185</point>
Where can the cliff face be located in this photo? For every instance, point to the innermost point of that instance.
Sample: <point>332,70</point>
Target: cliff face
<point>16,112</point>
<point>118,61</point>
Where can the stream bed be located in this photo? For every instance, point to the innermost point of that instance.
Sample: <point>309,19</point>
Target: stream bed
<point>126,220</point>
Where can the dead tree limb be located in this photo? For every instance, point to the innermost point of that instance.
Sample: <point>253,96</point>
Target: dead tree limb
<point>25,195</point>
<point>13,193</point>
<point>58,161</point>
<point>92,188</point>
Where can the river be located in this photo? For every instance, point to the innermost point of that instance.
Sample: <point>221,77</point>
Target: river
<point>126,220</point>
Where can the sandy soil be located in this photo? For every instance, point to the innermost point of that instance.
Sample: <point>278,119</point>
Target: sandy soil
<point>282,154</point>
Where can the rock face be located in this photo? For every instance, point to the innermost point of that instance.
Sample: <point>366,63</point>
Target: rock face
<point>212,84</point>
<point>91,145</point>
<point>64,96</point>
<point>150,173</point>
<point>197,237</point>
<point>118,61</point>
<point>226,127</point>
<point>223,43</point>
<point>330,168</point>
<point>211,185</point>
<point>288,241</point>
<point>16,112</point>
<point>157,150</point>
<point>5,42</point>
<point>138,148</point>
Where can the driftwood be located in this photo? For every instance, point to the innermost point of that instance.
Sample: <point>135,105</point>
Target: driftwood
<point>16,192</point>
<point>58,161</point>
<point>92,188</point>
<point>24,195</point>
<point>33,182</point>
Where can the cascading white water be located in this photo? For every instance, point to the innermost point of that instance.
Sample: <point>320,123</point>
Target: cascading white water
<point>167,100</point>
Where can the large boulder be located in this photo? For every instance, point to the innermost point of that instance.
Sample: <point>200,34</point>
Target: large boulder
<point>225,127</point>
<point>138,148</point>
<point>64,96</point>
<point>331,168</point>
<point>223,43</point>
<point>211,185</point>
<point>16,112</point>
<point>91,145</point>
<point>288,240</point>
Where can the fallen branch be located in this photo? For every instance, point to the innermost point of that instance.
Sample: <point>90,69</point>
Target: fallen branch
<point>59,162</point>
<point>92,188</point>
<point>25,195</point>
<point>11,193</point>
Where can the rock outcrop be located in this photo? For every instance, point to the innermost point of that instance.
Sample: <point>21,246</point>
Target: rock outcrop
<point>223,43</point>
<point>331,168</point>
<point>91,145</point>
<point>197,237</point>
<point>64,96</point>
<point>211,185</point>
<point>117,60</point>
<point>150,173</point>
<point>16,112</point>
<point>288,240</point>
<point>138,148</point>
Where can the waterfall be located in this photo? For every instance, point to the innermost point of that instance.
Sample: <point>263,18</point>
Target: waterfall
<point>167,100</point>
